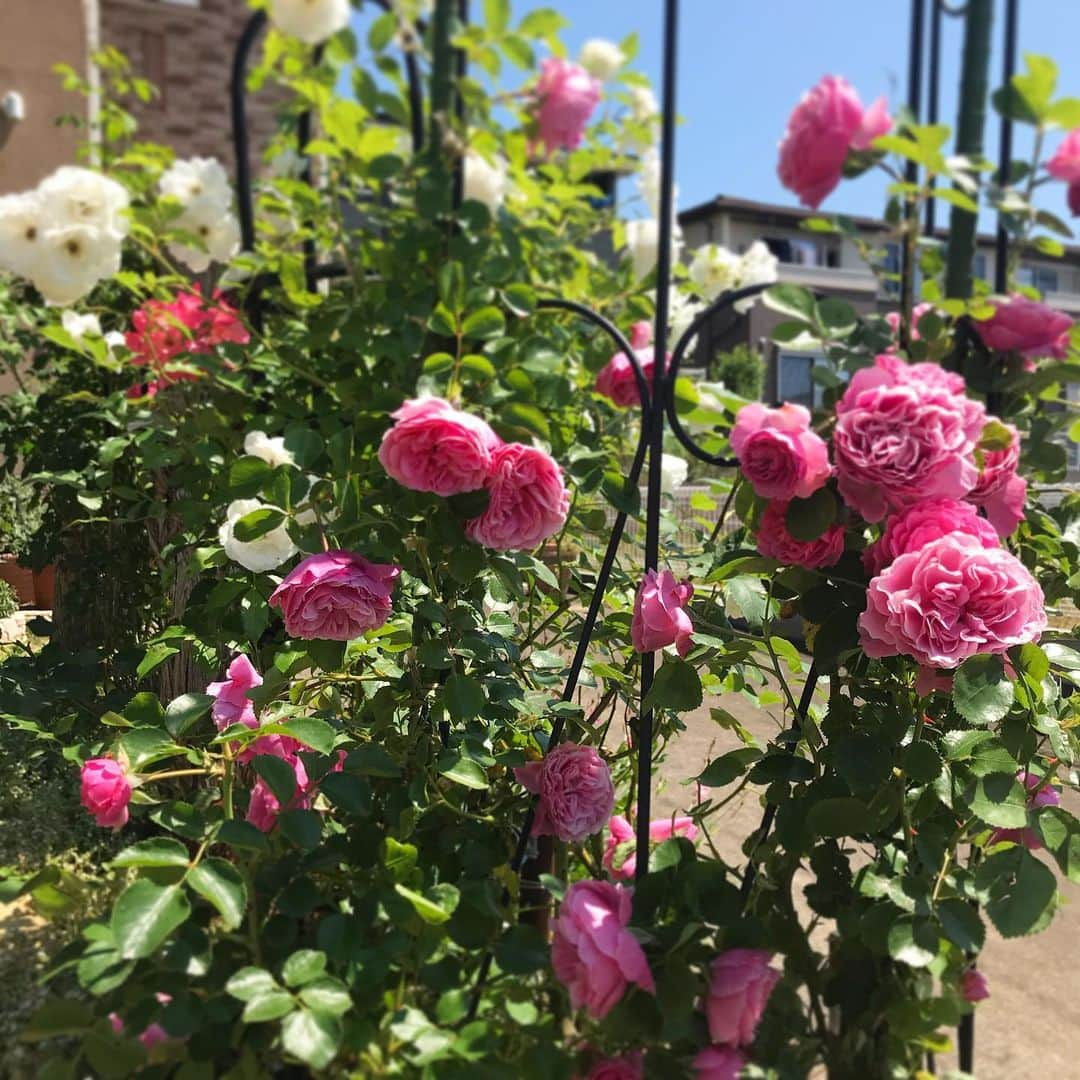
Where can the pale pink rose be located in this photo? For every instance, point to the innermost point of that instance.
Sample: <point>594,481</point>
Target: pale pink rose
<point>641,334</point>
<point>435,447</point>
<point>1038,797</point>
<point>1027,327</point>
<point>1065,163</point>
<point>1000,491</point>
<point>594,955</point>
<point>719,1063</point>
<point>951,599</point>
<point>528,501</point>
<point>915,526</point>
<point>778,454</point>
<point>263,806</point>
<point>336,595</point>
<point>740,982</point>
<point>974,986</point>
<point>827,123</point>
<point>106,791</point>
<point>660,617</point>
<point>575,789</point>
<point>620,856</point>
<point>775,542</point>
<point>616,381</point>
<point>567,95</point>
<point>904,433</point>
<point>626,1067</point>
<point>233,706</point>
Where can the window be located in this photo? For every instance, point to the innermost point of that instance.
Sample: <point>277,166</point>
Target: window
<point>890,265</point>
<point>979,266</point>
<point>794,382</point>
<point>801,251</point>
<point>181,3</point>
<point>1043,278</point>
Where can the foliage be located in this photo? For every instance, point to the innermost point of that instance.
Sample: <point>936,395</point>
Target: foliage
<point>741,370</point>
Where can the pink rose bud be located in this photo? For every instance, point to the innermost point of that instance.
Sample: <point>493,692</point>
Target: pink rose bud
<point>154,1034</point>
<point>1000,491</point>
<point>827,123</point>
<point>335,595</point>
<point>718,1063</point>
<point>1026,327</point>
<point>918,525</point>
<point>620,856</point>
<point>660,616</point>
<point>626,1067</point>
<point>740,983</point>
<point>233,706</point>
<point>594,956</point>
<point>917,312</point>
<point>778,454</point>
<point>1039,795</point>
<point>616,381</point>
<point>106,791</point>
<point>775,542</point>
<point>641,334</point>
<point>904,433</point>
<point>1065,163</point>
<point>435,447</point>
<point>575,789</point>
<point>974,986</point>
<point>951,599</point>
<point>567,94</point>
<point>527,503</point>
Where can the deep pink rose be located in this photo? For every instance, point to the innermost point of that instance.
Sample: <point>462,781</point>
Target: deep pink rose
<point>904,433</point>
<point>575,789</point>
<point>336,595</point>
<point>106,791</point>
<point>528,501</point>
<point>567,94</point>
<point>775,542</point>
<point>1000,491</point>
<point>974,986</point>
<point>660,616</point>
<point>827,123</point>
<point>916,526</point>
<point>949,600</point>
<point>778,453</point>
<point>917,312</point>
<point>594,956</point>
<point>625,1067</point>
<point>435,447</point>
<point>263,806</point>
<point>233,706</point>
<point>1072,198</point>
<point>719,1063</point>
<point>1027,327</point>
<point>930,680</point>
<point>1065,163</point>
<point>1038,797</point>
<point>616,381</point>
<point>620,856</point>
<point>740,983</point>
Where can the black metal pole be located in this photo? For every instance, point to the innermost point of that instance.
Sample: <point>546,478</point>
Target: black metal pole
<point>240,140</point>
<point>911,172</point>
<point>1008,64</point>
<point>933,94</point>
<point>460,67</point>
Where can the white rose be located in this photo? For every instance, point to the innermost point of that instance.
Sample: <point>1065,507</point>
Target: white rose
<point>485,181</point>
<point>264,553</point>
<point>76,196</point>
<point>643,243</point>
<point>312,21</point>
<point>601,58</point>
<point>114,339</point>
<point>22,231</point>
<point>673,472</point>
<point>219,232</point>
<point>714,270</point>
<point>682,311</point>
<point>73,259</point>
<point>643,104</point>
<point>757,267</point>
<point>271,450</point>
<point>80,326</point>
<point>198,182</point>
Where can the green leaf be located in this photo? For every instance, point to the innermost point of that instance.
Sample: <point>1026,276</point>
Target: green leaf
<point>791,300</point>
<point>158,851</point>
<point>145,914</point>
<point>962,924</point>
<point>838,817</point>
<point>780,765</point>
<point>1022,891</point>
<point>311,1037</point>
<point>185,711</point>
<point>451,282</point>
<point>981,693</point>
<point>247,475</point>
<point>257,523</point>
<point>1060,832</point>
<point>487,322</point>
<point>621,493</point>
<point>728,767</point>
<point>436,910</point>
<point>496,16</point>
<point>1000,799</point>
<point>143,746</point>
<point>913,942</point>
<point>57,1018</point>
<point>302,827</point>
<point>269,1006</point>
<point>313,732</point>
<point>522,950</point>
<point>398,858</point>
<point>922,762</point>
<point>677,686</point>
<point>836,317</point>
<point>347,793</point>
<point>463,696</point>
<point>371,760</point>
<point>279,776</point>
<point>155,656</point>
<point>222,884</point>
<point>303,966</point>
<point>454,765</point>
<point>529,417</point>
<point>328,996</point>
<point>250,982</point>
<point>242,835</point>
<point>807,519</point>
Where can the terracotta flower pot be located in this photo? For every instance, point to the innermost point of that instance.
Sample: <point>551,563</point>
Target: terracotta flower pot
<point>45,587</point>
<point>20,578</point>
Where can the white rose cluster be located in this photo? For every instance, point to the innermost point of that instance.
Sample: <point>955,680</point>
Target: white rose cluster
<point>715,270</point>
<point>312,21</point>
<point>202,188</point>
<point>485,181</point>
<point>265,552</point>
<point>601,59</point>
<point>66,234</point>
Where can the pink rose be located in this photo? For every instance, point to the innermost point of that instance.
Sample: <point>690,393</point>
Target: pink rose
<point>719,1063</point>
<point>660,616</point>
<point>575,789</point>
<point>106,791</point>
<point>1027,327</point>
<point>904,433</point>
<point>951,599</point>
<point>827,123</point>
<point>626,1067</point>
<point>594,956</point>
<point>1038,797</point>
<point>435,447</point>
<point>1065,164</point>
<point>1072,198</point>
<point>917,312</point>
<point>567,94</point>
<point>233,706</point>
<point>616,381</point>
<point>740,983</point>
<point>918,525</point>
<point>620,856</point>
<point>778,453</point>
<point>1000,491</point>
<point>528,500</point>
<point>263,806</point>
<point>336,595</point>
<point>775,542</point>
<point>151,1036</point>
<point>974,986</point>
<point>929,680</point>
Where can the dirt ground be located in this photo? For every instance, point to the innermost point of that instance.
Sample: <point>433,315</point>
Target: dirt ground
<point>1029,1028</point>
